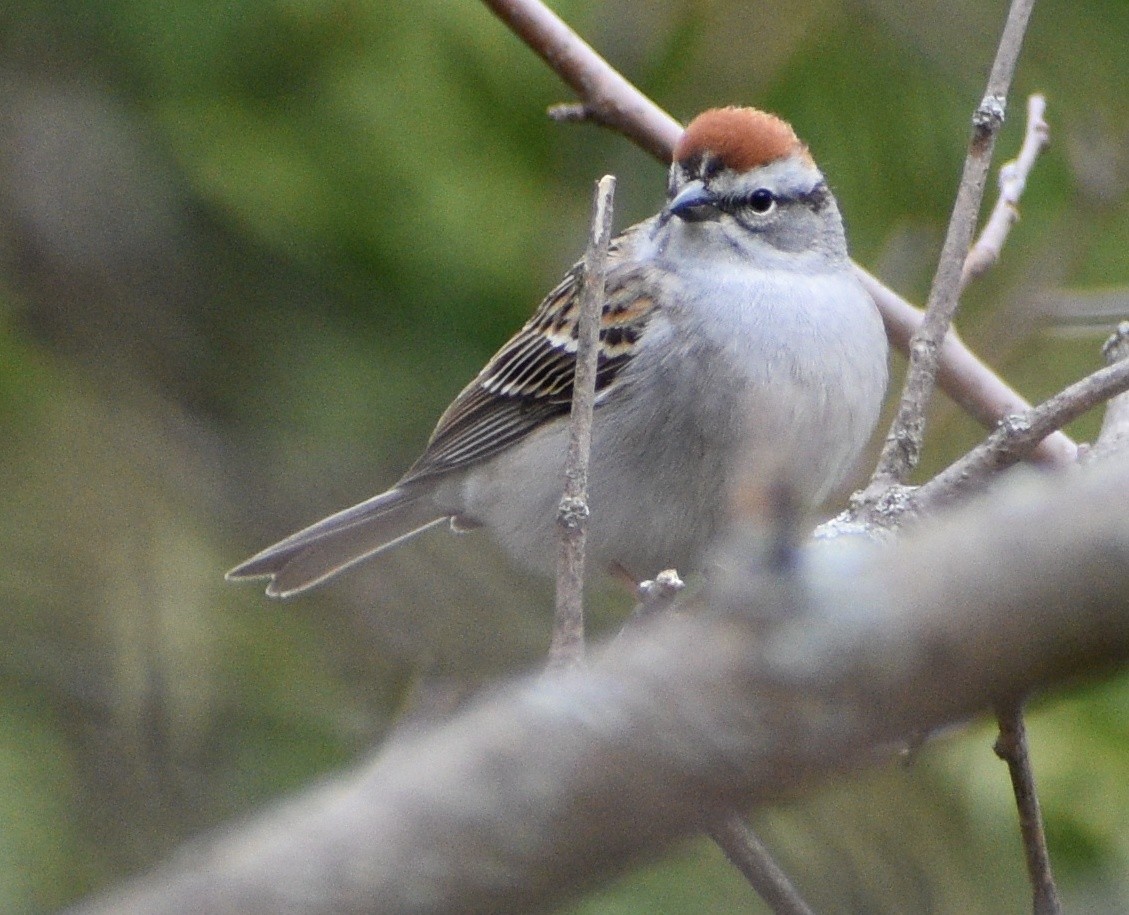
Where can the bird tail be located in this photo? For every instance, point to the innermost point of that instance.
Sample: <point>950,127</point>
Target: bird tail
<point>320,551</point>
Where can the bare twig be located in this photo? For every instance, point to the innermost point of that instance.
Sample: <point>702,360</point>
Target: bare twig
<point>627,110</point>
<point>1017,436</point>
<point>567,646</point>
<point>540,789</point>
<point>608,98</point>
<point>1000,449</point>
<point>751,857</point>
<point>1011,747</point>
<point>973,385</point>
<point>732,833</point>
<point>1114,434</point>
<point>902,448</point>
<point>779,553</point>
<point>1013,179</point>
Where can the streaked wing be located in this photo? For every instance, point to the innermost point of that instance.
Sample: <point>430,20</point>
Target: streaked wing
<point>529,381</point>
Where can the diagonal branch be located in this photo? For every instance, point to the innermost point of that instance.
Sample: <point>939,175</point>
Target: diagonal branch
<point>1013,180</point>
<point>975,387</point>
<point>608,98</point>
<point>1011,747</point>
<point>901,451</point>
<point>746,852</point>
<point>1017,436</point>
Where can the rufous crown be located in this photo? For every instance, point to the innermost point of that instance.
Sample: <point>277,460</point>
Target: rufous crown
<point>741,138</point>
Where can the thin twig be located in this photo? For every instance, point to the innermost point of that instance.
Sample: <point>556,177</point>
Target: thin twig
<point>1011,747</point>
<point>1013,179</point>
<point>751,857</point>
<point>1017,436</point>
<point>604,93</point>
<point>1114,434</point>
<point>902,448</point>
<point>970,383</point>
<point>975,387</point>
<point>567,646</point>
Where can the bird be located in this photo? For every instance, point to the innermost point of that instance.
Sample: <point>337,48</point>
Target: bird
<point>736,349</point>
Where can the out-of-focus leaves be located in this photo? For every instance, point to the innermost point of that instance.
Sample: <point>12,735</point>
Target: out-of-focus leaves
<point>43,861</point>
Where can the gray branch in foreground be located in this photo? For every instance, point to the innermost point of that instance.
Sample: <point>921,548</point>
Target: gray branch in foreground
<point>566,648</point>
<point>558,781</point>
<point>901,450</point>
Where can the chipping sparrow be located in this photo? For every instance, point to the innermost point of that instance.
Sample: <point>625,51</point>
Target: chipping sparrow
<point>736,348</point>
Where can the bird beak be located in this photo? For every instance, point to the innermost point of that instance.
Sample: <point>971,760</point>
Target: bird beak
<point>690,198</point>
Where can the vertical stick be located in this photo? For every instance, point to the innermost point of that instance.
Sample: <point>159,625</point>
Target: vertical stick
<point>902,448</point>
<point>567,646</point>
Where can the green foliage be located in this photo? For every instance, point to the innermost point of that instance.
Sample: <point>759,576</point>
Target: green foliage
<point>42,859</point>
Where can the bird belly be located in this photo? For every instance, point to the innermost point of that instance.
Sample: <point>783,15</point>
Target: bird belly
<point>702,422</point>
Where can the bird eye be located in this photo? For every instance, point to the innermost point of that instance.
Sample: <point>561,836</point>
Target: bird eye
<point>762,200</point>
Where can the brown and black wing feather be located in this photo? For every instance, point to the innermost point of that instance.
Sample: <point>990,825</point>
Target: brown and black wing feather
<point>529,381</point>
<point>527,384</point>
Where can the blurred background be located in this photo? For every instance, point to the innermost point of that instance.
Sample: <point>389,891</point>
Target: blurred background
<point>248,252</point>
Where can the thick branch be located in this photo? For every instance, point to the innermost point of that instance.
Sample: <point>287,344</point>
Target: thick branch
<point>560,780</point>
<point>902,449</point>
